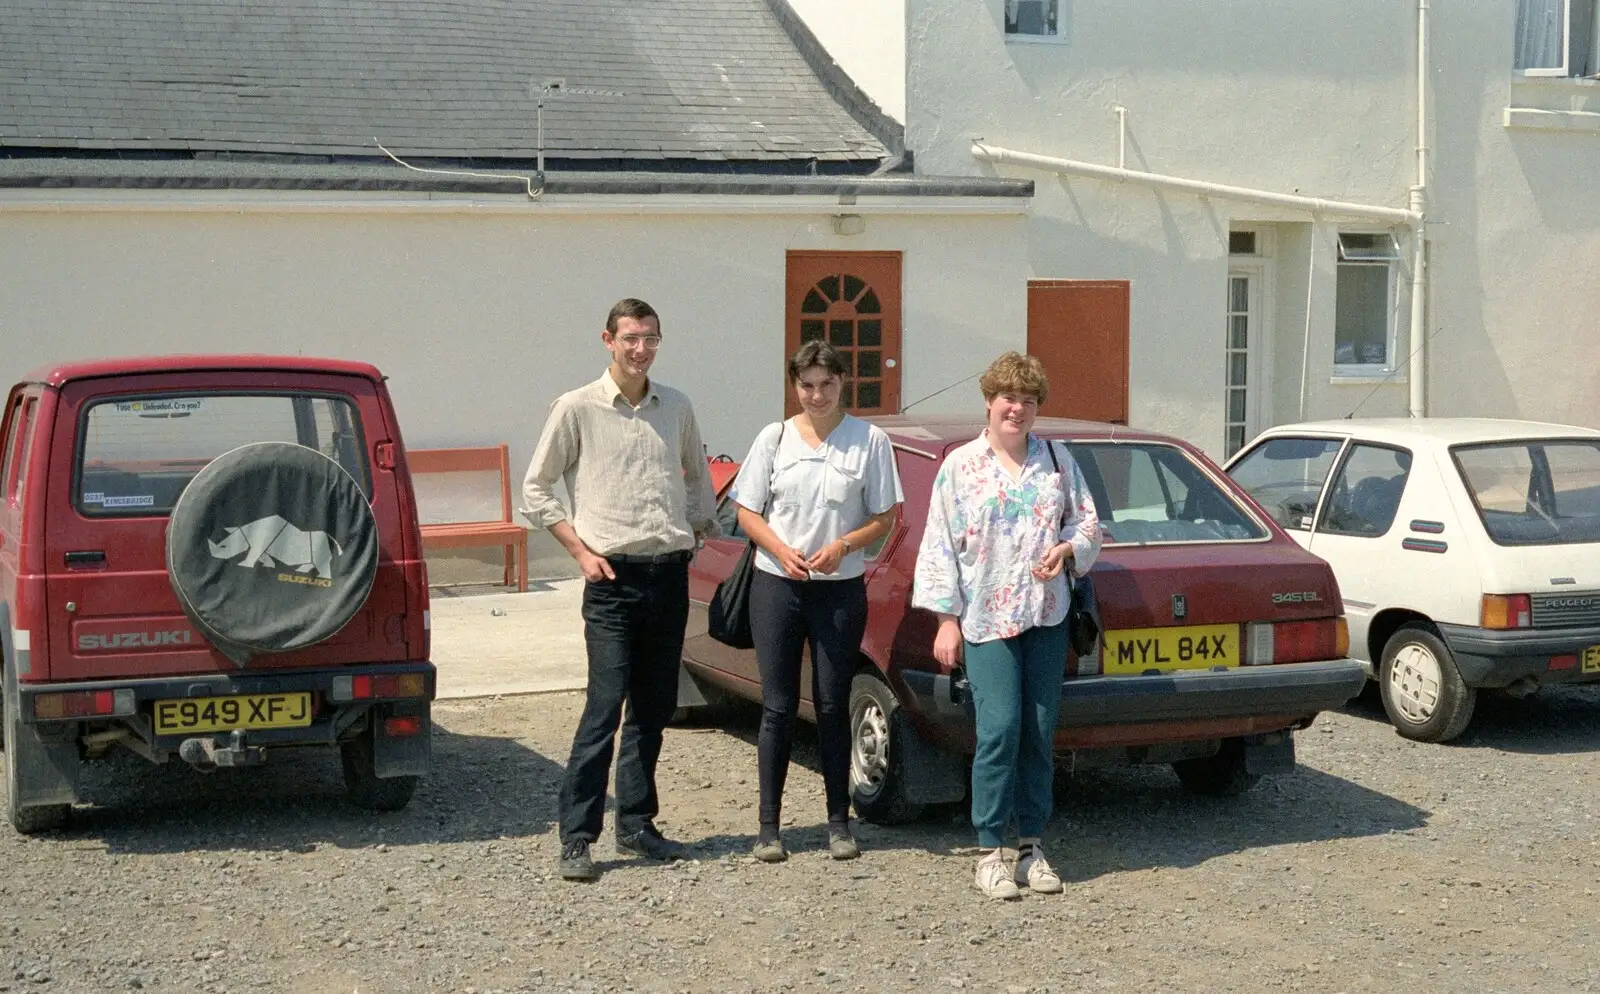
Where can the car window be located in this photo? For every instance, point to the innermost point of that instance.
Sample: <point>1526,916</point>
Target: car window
<point>1285,476</point>
<point>1534,492</point>
<point>136,454</point>
<point>1147,493</point>
<point>1366,492</point>
<point>9,469</point>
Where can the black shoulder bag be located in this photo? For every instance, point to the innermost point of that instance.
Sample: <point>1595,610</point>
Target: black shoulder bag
<point>729,612</point>
<point>1083,626</point>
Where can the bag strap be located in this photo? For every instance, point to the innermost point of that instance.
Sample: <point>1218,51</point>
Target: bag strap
<point>772,467</point>
<point>1050,447</point>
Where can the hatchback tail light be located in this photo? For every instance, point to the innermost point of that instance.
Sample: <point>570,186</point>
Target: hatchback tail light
<point>1269,642</point>
<point>1503,611</point>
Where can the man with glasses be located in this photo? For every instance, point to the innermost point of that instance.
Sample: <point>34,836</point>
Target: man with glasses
<point>628,450</point>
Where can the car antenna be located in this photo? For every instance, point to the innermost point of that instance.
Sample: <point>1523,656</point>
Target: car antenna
<point>1383,382</point>
<point>939,391</point>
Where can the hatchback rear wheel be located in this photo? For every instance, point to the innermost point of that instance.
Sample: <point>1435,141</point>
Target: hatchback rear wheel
<point>1423,692</point>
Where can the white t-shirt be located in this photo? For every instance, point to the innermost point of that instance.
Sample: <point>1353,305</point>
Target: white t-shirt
<point>819,495</point>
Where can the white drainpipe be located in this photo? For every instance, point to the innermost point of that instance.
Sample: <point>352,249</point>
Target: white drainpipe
<point>1419,205</point>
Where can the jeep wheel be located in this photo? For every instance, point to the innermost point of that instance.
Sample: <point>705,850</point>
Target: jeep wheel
<point>363,785</point>
<point>1422,690</point>
<point>272,547</point>
<point>877,737</point>
<point>39,818</point>
<point>1222,775</point>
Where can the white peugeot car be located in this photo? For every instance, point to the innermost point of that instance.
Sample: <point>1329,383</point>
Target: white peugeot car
<point>1467,551</point>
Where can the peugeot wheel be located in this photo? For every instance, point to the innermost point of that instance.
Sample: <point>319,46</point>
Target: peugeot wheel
<point>1423,692</point>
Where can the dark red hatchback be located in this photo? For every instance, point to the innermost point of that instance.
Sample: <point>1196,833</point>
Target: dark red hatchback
<point>1220,635</point>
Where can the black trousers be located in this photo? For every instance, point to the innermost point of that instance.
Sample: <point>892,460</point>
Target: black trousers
<point>633,627</point>
<point>785,615</point>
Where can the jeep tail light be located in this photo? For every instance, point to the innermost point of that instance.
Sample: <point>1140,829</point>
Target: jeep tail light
<point>1502,611</point>
<point>83,704</point>
<point>381,687</point>
<point>1269,642</point>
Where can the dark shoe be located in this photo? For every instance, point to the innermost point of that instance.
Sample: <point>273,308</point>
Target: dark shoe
<point>650,844</point>
<point>575,862</point>
<point>769,850</point>
<point>841,844</point>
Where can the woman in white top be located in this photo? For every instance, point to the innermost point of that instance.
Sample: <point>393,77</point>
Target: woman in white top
<point>813,493</point>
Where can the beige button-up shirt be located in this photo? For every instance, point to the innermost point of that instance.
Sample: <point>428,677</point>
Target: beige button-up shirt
<point>636,476</point>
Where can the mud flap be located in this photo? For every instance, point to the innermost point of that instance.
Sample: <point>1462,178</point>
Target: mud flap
<point>401,755</point>
<point>689,693</point>
<point>46,765</point>
<point>931,775</point>
<point>1269,754</point>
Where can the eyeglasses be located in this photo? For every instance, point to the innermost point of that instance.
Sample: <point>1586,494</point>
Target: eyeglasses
<point>650,342</point>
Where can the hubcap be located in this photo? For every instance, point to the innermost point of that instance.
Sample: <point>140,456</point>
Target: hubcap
<point>1414,682</point>
<point>869,750</point>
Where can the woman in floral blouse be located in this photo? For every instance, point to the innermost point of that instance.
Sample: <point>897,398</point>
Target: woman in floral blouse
<point>1006,526</point>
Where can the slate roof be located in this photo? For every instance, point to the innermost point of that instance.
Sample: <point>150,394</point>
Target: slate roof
<point>648,82</point>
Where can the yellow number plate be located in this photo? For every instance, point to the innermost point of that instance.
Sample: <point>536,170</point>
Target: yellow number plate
<point>1591,659</point>
<point>1194,647</point>
<point>224,714</point>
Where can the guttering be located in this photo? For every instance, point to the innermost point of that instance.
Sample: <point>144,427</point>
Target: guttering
<point>1202,188</point>
<point>1417,372</point>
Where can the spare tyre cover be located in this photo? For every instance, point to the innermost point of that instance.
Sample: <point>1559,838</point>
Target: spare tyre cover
<point>271,547</point>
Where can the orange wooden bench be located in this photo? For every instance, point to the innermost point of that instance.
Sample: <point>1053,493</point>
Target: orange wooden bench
<point>505,533</point>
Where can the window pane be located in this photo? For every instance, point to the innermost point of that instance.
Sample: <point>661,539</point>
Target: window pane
<point>868,304</point>
<point>1541,32</point>
<point>1535,492</point>
<point>812,329</point>
<point>869,364</point>
<point>847,396</point>
<point>8,460</point>
<point>869,395</point>
<point>140,453</point>
<point>1156,493</point>
<point>1239,332</point>
<point>869,331</point>
<point>842,333</point>
<point>1237,365</point>
<point>1235,406</point>
<point>1366,493</point>
<point>1285,476</point>
<point>814,304</point>
<point>1235,439</point>
<point>24,446</point>
<point>1238,294</point>
<point>1241,243</point>
<point>853,286</point>
<point>1361,315</point>
<point>1031,17</point>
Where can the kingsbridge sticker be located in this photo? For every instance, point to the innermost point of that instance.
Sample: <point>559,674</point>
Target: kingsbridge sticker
<point>171,407</point>
<point>145,500</point>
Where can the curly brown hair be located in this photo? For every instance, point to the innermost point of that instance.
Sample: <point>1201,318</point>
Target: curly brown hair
<point>1014,373</point>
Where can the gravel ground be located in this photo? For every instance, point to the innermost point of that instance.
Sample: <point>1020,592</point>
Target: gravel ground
<point>1378,865</point>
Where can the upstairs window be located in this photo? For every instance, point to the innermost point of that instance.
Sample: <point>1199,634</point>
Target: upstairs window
<point>1364,306</point>
<point>1034,19</point>
<point>1556,37</point>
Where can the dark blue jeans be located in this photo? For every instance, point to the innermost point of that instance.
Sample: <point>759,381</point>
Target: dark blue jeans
<point>633,626</point>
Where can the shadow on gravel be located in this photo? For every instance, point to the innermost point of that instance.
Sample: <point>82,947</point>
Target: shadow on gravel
<point>1552,722</point>
<point>1112,820</point>
<point>481,789</point>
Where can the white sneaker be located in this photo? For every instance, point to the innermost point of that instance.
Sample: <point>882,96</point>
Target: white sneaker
<point>994,879</point>
<point>1035,873</point>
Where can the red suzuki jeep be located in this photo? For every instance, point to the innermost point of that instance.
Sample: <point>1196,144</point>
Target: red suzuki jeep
<point>209,557</point>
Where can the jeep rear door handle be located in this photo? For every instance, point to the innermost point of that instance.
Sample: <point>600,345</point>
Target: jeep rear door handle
<point>86,559</point>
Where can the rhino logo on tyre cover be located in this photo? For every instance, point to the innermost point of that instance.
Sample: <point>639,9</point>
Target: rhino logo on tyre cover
<point>273,541</point>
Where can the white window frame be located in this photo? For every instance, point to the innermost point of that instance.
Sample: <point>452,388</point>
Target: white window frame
<point>1058,38</point>
<point>1258,389</point>
<point>1392,264</point>
<point>1567,70</point>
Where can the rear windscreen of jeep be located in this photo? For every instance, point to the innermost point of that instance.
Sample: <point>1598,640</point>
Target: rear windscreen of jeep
<point>138,453</point>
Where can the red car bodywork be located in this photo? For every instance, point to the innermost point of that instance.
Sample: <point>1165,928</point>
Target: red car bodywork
<point>1230,583</point>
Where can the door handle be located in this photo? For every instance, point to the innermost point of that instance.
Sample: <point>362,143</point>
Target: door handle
<point>86,559</point>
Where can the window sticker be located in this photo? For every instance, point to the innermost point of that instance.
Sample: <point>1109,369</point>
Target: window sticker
<point>94,498</point>
<point>174,407</point>
<point>146,500</point>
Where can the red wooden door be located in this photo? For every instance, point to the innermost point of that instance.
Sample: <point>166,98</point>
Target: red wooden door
<point>851,299</point>
<point>1079,330</point>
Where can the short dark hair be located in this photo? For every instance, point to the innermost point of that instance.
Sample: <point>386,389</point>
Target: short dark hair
<point>816,353</point>
<point>630,307</point>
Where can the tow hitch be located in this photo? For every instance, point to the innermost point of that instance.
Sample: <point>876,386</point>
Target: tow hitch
<point>205,753</point>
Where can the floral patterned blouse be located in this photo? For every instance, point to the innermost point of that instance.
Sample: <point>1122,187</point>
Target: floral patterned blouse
<point>986,531</point>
